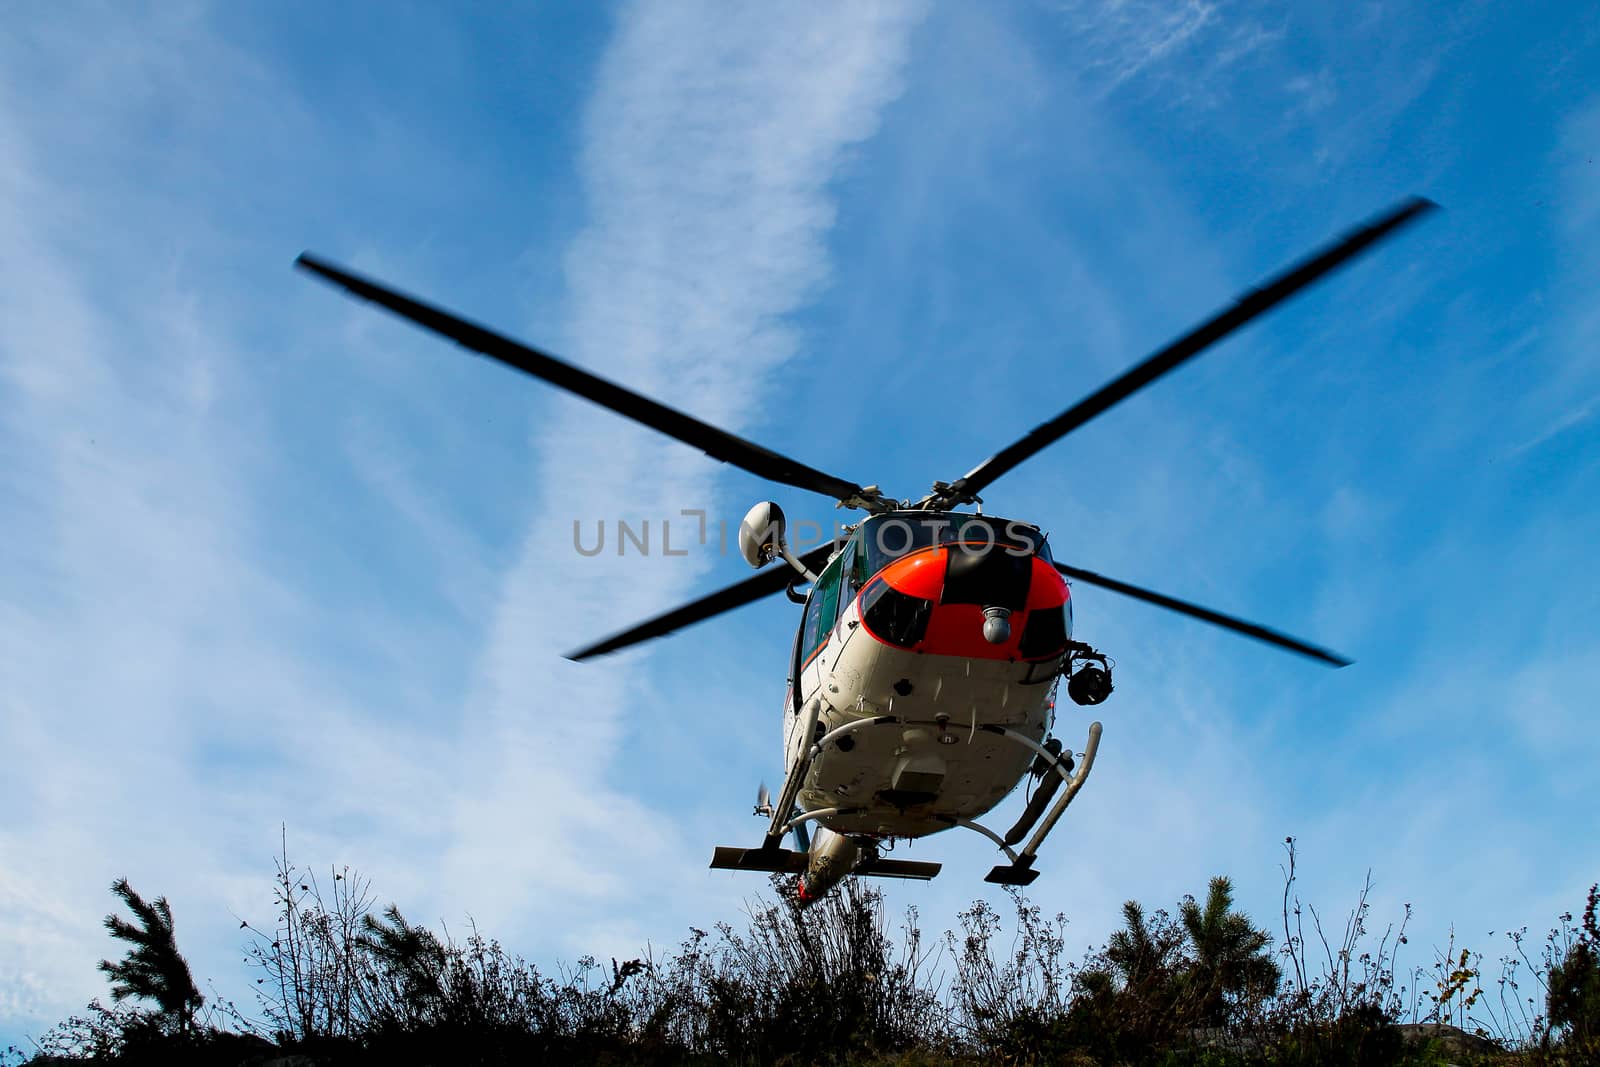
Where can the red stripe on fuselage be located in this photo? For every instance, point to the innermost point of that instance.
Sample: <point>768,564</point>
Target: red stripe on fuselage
<point>817,651</point>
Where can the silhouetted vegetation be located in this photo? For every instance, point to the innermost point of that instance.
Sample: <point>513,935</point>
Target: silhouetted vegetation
<point>1572,967</point>
<point>339,981</point>
<point>153,969</point>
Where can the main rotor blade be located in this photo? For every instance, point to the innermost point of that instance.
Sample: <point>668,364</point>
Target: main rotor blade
<point>765,583</point>
<point>719,444</point>
<point>1195,611</point>
<point>1248,306</point>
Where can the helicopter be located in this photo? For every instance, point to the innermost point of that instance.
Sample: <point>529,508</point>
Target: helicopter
<point>923,679</point>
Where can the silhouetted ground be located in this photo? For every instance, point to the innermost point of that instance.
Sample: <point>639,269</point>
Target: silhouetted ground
<point>1204,986</point>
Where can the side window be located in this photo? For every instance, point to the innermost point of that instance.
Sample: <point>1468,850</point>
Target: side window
<point>859,560</point>
<point>848,584</point>
<point>808,628</point>
<point>823,607</point>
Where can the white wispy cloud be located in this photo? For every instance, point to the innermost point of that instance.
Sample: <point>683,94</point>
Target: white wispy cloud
<point>1185,53</point>
<point>709,145</point>
<point>1569,398</point>
<point>121,509</point>
<point>1128,37</point>
<point>1574,416</point>
<point>181,670</point>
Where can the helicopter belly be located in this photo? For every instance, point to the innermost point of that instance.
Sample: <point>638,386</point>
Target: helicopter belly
<point>934,764</point>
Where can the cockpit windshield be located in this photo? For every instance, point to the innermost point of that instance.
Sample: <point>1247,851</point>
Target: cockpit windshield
<point>882,539</point>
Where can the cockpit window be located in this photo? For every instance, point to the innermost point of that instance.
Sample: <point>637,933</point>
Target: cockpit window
<point>885,538</point>
<point>822,607</point>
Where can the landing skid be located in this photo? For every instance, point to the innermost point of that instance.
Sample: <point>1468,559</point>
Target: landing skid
<point>1020,870</point>
<point>882,868</point>
<point>1018,873</point>
<point>787,861</point>
<point>772,860</point>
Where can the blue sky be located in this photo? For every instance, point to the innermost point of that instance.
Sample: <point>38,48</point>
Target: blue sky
<point>274,559</point>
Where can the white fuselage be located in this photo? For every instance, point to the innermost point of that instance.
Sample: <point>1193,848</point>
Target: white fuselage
<point>920,776</point>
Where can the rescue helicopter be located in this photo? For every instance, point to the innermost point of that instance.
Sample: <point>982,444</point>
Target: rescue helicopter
<point>924,674</point>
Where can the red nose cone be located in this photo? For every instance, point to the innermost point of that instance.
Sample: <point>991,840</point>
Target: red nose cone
<point>920,575</point>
